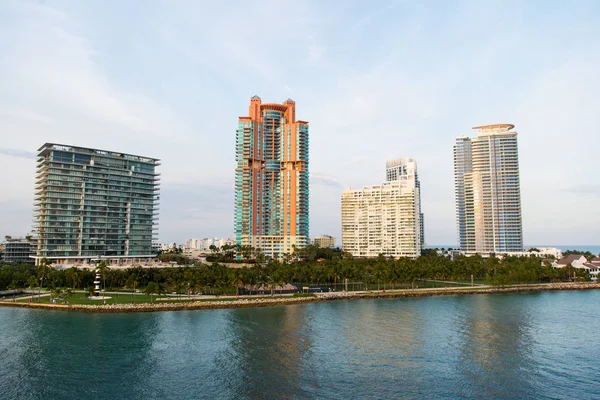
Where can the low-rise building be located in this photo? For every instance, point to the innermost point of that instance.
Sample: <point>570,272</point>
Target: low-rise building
<point>19,250</point>
<point>592,269</point>
<point>576,261</point>
<point>324,241</point>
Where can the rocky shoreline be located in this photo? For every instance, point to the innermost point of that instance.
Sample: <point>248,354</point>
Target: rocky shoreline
<point>262,302</point>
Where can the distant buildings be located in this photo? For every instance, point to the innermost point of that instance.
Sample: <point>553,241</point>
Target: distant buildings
<point>578,261</point>
<point>271,179</point>
<point>324,241</point>
<point>19,250</point>
<point>92,204</point>
<point>386,218</point>
<point>204,244</point>
<point>487,190</point>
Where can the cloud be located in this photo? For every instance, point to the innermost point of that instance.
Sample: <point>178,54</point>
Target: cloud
<point>325,180</point>
<point>58,62</point>
<point>18,153</point>
<point>589,189</point>
<point>23,115</point>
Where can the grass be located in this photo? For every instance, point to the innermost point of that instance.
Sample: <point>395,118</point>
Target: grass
<point>138,298</point>
<point>123,298</point>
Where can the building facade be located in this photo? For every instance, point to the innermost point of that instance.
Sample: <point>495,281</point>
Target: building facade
<point>386,218</point>
<point>92,204</point>
<point>324,241</point>
<point>487,191</point>
<point>405,169</point>
<point>271,179</point>
<point>19,250</point>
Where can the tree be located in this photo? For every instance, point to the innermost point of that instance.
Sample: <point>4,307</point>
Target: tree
<point>57,293</point>
<point>237,281</point>
<point>132,281</point>
<point>74,276</point>
<point>42,271</point>
<point>68,293</point>
<point>151,288</point>
<point>32,282</point>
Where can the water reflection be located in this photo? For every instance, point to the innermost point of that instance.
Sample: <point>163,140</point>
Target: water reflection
<point>267,346</point>
<point>496,350</point>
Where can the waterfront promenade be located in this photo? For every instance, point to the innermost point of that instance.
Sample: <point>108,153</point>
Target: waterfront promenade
<point>213,302</point>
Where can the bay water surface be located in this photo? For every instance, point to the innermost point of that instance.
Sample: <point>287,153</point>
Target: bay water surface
<point>533,346</point>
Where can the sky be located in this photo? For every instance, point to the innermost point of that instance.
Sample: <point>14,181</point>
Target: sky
<point>376,81</point>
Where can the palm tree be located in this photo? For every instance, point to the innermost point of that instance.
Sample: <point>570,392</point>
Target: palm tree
<point>68,294</point>
<point>74,276</point>
<point>151,288</point>
<point>42,270</point>
<point>57,293</point>
<point>131,282</point>
<point>31,282</point>
<point>237,282</point>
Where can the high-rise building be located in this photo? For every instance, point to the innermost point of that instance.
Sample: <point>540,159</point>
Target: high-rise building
<point>92,204</point>
<point>386,218</point>
<point>271,179</point>
<point>404,169</point>
<point>487,190</point>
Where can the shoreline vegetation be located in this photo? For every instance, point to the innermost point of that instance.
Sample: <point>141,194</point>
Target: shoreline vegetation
<point>317,297</point>
<point>319,273</point>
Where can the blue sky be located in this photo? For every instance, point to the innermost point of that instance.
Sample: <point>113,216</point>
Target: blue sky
<point>376,81</point>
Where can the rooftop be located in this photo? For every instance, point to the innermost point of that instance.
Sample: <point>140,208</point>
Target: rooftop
<point>85,150</point>
<point>570,258</point>
<point>493,127</point>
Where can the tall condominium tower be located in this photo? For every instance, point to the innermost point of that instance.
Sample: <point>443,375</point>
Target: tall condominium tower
<point>386,218</point>
<point>487,190</point>
<point>403,169</point>
<point>271,179</point>
<point>92,204</point>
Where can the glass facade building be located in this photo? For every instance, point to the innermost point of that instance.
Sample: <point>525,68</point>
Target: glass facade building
<point>271,179</point>
<point>92,204</point>
<point>488,191</point>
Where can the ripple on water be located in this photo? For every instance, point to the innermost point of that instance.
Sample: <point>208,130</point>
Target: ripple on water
<point>481,346</point>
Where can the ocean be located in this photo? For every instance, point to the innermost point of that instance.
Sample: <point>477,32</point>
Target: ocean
<point>502,346</point>
<point>592,249</point>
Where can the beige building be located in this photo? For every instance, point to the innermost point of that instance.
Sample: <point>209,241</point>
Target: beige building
<point>386,218</point>
<point>487,190</point>
<point>324,241</point>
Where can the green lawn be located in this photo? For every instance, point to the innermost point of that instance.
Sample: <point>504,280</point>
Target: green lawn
<point>82,298</point>
<point>127,298</point>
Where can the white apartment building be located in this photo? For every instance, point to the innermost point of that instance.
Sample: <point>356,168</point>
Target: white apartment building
<point>386,218</point>
<point>487,190</point>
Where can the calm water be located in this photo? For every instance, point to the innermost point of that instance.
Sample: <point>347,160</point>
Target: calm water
<point>481,346</point>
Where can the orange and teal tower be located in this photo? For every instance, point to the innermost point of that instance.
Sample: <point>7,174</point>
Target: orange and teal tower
<point>271,179</point>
